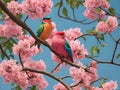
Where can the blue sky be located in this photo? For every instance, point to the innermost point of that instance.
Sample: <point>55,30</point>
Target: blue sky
<point>108,71</point>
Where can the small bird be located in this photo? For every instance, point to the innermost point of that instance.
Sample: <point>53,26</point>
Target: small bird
<point>44,30</point>
<point>61,46</point>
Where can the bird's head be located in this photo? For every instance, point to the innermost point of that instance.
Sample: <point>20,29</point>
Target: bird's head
<point>47,20</point>
<point>60,34</point>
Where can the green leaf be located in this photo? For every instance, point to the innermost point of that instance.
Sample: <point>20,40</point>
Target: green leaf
<point>102,82</point>
<point>19,16</point>
<point>103,45</point>
<point>111,10</point>
<point>84,38</point>
<point>6,1</point>
<point>94,50</point>
<point>73,4</point>
<point>98,10</point>
<point>18,88</point>
<point>2,56</point>
<point>0,11</point>
<point>12,84</point>
<point>58,4</point>
<point>65,12</point>
<point>118,56</point>
<point>102,37</point>
<point>68,1</point>
<point>91,31</point>
<point>33,87</point>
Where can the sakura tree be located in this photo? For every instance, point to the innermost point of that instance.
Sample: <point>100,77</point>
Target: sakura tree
<point>19,65</point>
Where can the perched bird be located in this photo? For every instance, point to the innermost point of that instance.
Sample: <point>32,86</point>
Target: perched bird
<point>61,46</point>
<point>44,30</point>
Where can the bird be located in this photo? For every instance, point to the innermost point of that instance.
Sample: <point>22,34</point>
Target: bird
<point>44,30</point>
<point>61,46</point>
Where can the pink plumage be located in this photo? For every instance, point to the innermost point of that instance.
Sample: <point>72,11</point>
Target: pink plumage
<point>58,45</point>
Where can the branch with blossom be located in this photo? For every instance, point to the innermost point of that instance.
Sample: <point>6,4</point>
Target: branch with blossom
<point>32,71</point>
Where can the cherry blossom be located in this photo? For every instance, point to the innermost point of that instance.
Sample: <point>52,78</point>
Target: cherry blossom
<point>37,8</point>
<point>24,47</point>
<point>11,71</point>
<point>107,26</point>
<point>78,49</point>
<point>93,11</point>
<point>14,7</point>
<point>72,33</point>
<point>7,30</point>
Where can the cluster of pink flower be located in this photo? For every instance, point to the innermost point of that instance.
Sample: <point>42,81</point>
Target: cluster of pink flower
<point>83,79</point>
<point>36,78</point>
<point>91,11</point>
<point>33,8</point>
<point>24,47</point>
<point>7,29</point>
<point>78,50</point>
<point>15,7</point>
<point>106,86</point>
<point>11,71</point>
<point>72,34</point>
<point>107,26</point>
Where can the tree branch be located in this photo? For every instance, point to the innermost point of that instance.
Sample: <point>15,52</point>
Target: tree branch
<point>101,61</point>
<point>49,75</point>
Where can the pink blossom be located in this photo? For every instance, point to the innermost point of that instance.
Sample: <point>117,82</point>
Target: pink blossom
<point>108,26</point>
<point>59,86</point>
<point>14,7</point>
<point>11,71</point>
<point>72,33</point>
<point>104,4</point>
<point>110,85</point>
<point>112,22</point>
<point>37,8</point>
<point>92,13</point>
<point>78,50</point>
<point>36,78</point>
<point>82,76</point>
<point>7,29</point>
<point>38,65</point>
<point>102,27</point>
<point>24,48</point>
<point>91,3</point>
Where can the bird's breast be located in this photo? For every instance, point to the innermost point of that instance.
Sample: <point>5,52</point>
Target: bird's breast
<point>47,31</point>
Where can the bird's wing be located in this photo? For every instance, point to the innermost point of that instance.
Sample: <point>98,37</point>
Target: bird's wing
<point>68,49</point>
<point>40,30</point>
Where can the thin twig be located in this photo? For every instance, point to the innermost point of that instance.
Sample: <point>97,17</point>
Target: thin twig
<point>102,61</point>
<point>66,77</point>
<point>98,80</point>
<point>56,67</point>
<point>115,48</point>
<point>4,53</point>
<point>74,20</point>
<point>26,18</point>
<point>23,66</point>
